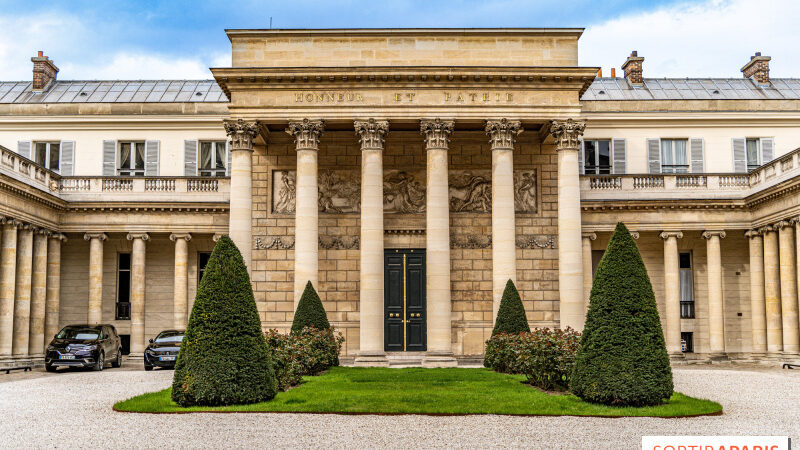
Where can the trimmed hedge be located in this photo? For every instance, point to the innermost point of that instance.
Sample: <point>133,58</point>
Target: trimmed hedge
<point>306,352</point>
<point>310,312</point>
<point>511,318</point>
<point>622,359</point>
<point>223,359</point>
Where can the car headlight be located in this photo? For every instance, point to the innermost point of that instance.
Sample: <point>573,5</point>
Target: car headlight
<point>50,348</point>
<point>89,348</point>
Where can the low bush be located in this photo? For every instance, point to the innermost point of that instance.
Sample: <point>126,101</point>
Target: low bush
<point>305,352</point>
<point>546,357</point>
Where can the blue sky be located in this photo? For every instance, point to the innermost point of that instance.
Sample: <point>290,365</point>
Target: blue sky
<point>181,39</point>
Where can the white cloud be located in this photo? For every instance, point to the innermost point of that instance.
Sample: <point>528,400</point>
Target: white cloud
<point>138,66</point>
<point>713,38</point>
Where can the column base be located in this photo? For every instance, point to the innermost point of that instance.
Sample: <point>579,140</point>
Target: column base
<point>439,359</point>
<point>677,358</point>
<point>134,357</point>
<point>371,359</point>
<point>773,356</point>
<point>718,358</point>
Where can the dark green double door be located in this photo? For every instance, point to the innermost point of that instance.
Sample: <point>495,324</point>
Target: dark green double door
<point>404,300</point>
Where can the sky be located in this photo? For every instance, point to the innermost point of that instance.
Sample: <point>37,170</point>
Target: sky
<point>145,39</point>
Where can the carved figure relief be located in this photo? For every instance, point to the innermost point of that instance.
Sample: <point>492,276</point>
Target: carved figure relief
<point>525,191</point>
<point>470,191</point>
<point>403,192</point>
<point>283,191</point>
<point>339,191</point>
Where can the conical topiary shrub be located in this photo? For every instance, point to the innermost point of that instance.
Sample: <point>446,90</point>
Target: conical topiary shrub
<point>511,317</point>
<point>224,358</point>
<point>310,312</point>
<point>622,359</point>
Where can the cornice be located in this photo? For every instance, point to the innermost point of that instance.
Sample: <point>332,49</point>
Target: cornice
<point>8,184</point>
<point>147,207</point>
<point>400,32</point>
<point>672,204</point>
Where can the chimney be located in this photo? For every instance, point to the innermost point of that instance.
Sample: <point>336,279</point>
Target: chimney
<point>44,72</point>
<point>633,69</point>
<point>600,73</point>
<point>757,69</point>
<point>613,72</point>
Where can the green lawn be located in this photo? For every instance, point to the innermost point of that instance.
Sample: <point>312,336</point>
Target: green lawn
<point>424,391</point>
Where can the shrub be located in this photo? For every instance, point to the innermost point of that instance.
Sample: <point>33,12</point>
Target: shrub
<point>511,317</point>
<point>622,358</point>
<point>546,357</point>
<point>306,352</point>
<point>310,312</point>
<point>223,359</point>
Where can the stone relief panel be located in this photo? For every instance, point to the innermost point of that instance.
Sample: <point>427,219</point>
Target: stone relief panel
<point>525,191</point>
<point>470,191</point>
<point>283,191</point>
<point>404,192</point>
<point>339,191</point>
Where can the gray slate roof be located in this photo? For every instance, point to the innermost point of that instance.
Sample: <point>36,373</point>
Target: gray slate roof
<point>693,89</point>
<point>153,91</point>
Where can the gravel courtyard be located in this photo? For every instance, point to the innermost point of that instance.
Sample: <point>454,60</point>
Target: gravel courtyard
<point>73,409</point>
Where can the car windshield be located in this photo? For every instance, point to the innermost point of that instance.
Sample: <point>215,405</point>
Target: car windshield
<point>167,337</point>
<point>79,333</point>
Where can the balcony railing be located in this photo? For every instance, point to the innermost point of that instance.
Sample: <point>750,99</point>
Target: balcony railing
<point>687,310</point>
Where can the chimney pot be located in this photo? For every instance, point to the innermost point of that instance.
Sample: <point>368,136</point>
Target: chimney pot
<point>633,69</point>
<point>635,53</point>
<point>44,72</point>
<point>41,53</point>
<point>600,73</point>
<point>613,72</point>
<point>757,69</point>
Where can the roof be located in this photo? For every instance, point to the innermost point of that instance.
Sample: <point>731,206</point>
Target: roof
<point>428,32</point>
<point>141,91</point>
<point>693,89</point>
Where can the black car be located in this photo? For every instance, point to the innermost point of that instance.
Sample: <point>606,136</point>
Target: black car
<point>163,350</point>
<point>84,346</point>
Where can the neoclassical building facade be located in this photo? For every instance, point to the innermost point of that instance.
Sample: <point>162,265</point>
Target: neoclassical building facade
<point>408,175</point>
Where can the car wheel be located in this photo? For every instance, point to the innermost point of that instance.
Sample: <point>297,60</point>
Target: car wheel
<point>101,362</point>
<point>50,368</point>
<point>118,361</point>
<point>148,367</point>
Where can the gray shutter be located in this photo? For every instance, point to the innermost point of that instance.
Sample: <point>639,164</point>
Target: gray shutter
<point>697,155</point>
<point>24,149</point>
<point>739,155</point>
<point>767,150</point>
<point>581,166</point>
<point>67,158</point>
<point>618,156</point>
<point>109,158</point>
<point>190,158</point>
<point>654,155</point>
<point>151,158</point>
<point>230,158</point>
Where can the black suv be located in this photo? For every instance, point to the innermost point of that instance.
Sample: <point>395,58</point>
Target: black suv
<point>84,346</point>
<point>163,350</point>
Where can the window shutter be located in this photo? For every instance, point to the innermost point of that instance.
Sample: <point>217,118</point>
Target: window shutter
<point>697,155</point>
<point>151,158</point>
<point>618,156</point>
<point>767,150</point>
<point>24,149</point>
<point>190,158</point>
<point>230,158</point>
<point>109,158</point>
<point>67,158</point>
<point>739,155</point>
<point>654,155</point>
<point>581,165</point>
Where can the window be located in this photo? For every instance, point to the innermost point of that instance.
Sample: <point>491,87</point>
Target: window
<point>212,158</point>
<point>123,310</point>
<point>673,156</point>
<point>202,260</point>
<point>597,157</point>
<point>130,159</point>
<point>47,154</point>
<point>687,286</point>
<point>753,147</point>
<point>687,342</point>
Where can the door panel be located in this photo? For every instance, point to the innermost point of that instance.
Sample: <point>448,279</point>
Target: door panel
<point>404,300</point>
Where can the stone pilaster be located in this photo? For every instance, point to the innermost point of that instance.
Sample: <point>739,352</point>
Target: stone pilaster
<point>672,298</point>
<point>586,239</point>
<point>502,137</point>
<point>437,216</point>
<point>38,294</point>
<point>758,320</point>
<point>180,296</point>
<point>570,268</point>
<point>772,293</point>
<point>240,227</point>
<point>53,300</point>
<point>371,134</point>
<point>788,273</point>
<point>22,294</point>
<point>716,306</point>
<point>306,135</point>
<point>95,312</point>
<point>138,292</point>
<point>8,283</point>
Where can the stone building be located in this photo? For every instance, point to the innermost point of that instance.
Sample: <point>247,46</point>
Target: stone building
<point>408,174</point>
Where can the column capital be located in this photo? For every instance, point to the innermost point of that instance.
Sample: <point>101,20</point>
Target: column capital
<point>766,229</point>
<point>567,133</point>
<point>306,133</point>
<point>241,132</point>
<point>782,224</point>
<point>591,235</point>
<point>671,234</point>
<point>371,133</point>
<point>9,221</point>
<point>175,236</point>
<point>634,234</point>
<point>708,234</point>
<point>754,233</point>
<point>142,236</point>
<point>90,236</point>
<point>437,132</point>
<point>503,133</point>
<point>217,236</point>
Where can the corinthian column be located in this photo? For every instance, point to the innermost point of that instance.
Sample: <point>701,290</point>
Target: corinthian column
<point>716,305</point>
<point>22,297</point>
<point>53,300</point>
<point>138,292</point>
<point>570,268</point>
<point>241,134</point>
<point>502,137</point>
<point>180,296</point>
<point>587,239</point>
<point>757,312</point>
<point>772,292</point>
<point>788,270</point>
<point>371,133</point>
<point>38,293</point>
<point>95,313</point>
<point>437,238</point>
<point>306,217</point>
<point>672,286</point>
<point>8,271</point>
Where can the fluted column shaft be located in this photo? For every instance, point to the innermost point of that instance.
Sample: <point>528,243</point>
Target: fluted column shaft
<point>587,239</point>
<point>38,294</point>
<point>180,296</point>
<point>788,271</point>
<point>716,309</point>
<point>22,293</point>
<point>570,267</point>
<point>95,312</point>
<point>240,223</point>
<point>672,297</point>
<point>8,283</point>
<point>306,217</point>
<point>53,300</point>
<point>772,292</point>
<point>138,284</point>
<point>757,309</point>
